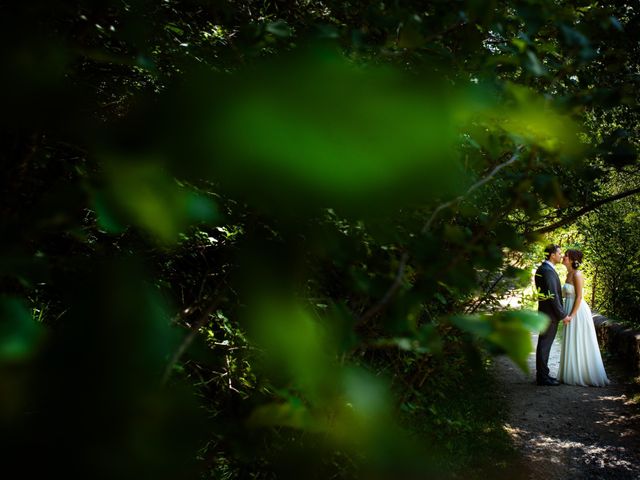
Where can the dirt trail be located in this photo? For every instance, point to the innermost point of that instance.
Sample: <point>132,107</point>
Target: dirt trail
<point>569,432</point>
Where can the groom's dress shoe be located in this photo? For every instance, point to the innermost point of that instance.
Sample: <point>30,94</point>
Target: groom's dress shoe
<point>548,382</point>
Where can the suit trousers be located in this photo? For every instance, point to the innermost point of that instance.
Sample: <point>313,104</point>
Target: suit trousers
<point>545,340</point>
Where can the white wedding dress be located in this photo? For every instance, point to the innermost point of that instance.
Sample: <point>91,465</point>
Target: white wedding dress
<point>580,360</point>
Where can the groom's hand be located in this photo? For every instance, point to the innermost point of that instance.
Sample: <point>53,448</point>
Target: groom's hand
<point>566,320</point>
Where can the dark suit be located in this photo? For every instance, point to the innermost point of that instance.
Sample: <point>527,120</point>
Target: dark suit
<point>548,283</point>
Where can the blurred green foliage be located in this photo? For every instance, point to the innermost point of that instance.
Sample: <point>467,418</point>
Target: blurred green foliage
<point>244,241</point>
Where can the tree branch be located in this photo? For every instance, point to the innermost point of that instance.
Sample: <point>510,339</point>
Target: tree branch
<point>390,292</point>
<point>182,348</point>
<point>474,307</point>
<point>405,256</point>
<point>584,210</point>
<point>473,187</point>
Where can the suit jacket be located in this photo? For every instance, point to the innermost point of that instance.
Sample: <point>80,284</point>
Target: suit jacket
<point>548,282</point>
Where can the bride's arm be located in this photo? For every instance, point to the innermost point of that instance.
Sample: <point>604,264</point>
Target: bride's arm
<point>578,283</point>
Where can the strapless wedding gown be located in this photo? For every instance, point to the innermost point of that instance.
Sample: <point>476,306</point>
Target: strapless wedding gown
<point>580,360</point>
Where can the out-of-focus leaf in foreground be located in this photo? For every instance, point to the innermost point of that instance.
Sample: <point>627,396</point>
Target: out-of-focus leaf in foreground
<point>297,346</point>
<point>143,193</point>
<point>347,404</point>
<point>317,130</point>
<point>19,333</point>
<point>99,380</point>
<point>521,114</point>
<point>508,332</point>
<point>531,117</point>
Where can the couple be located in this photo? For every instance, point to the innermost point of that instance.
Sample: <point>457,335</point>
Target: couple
<point>580,360</point>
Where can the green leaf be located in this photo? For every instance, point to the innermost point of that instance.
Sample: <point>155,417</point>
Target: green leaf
<point>510,331</point>
<point>520,44</point>
<point>367,394</point>
<point>289,414</point>
<point>174,28</point>
<point>145,62</point>
<point>516,342</point>
<point>20,334</point>
<point>430,339</point>
<point>455,234</point>
<point>322,130</point>
<point>616,23</point>
<point>474,324</point>
<point>279,28</point>
<point>108,218</point>
<point>438,296</point>
<point>296,343</point>
<point>533,321</point>
<point>534,65</point>
<point>142,193</point>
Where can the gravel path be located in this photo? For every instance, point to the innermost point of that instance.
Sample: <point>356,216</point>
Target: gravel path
<point>569,432</point>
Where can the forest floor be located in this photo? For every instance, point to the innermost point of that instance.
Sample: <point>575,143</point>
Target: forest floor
<point>570,432</point>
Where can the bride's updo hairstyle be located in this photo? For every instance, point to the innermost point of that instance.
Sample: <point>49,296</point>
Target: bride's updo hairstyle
<point>576,258</point>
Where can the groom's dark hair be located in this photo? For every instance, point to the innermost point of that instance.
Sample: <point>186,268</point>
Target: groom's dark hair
<point>550,250</point>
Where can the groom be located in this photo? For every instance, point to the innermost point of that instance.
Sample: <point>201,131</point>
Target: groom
<point>548,284</point>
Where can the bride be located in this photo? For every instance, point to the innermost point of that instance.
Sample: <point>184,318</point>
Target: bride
<point>580,360</point>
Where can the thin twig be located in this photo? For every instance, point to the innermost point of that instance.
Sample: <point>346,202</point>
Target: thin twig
<point>472,188</point>
<point>390,292</point>
<point>231,387</point>
<point>486,295</point>
<point>188,340</point>
<point>397,282</point>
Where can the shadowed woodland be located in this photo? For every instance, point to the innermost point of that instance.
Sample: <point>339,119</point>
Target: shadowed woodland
<point>268,239</point>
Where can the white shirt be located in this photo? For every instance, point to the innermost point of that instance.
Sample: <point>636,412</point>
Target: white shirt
<point>551,264</point>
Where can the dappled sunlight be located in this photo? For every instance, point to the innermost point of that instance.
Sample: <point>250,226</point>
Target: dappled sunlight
<point>558,450</point>
<point>569,430</point>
